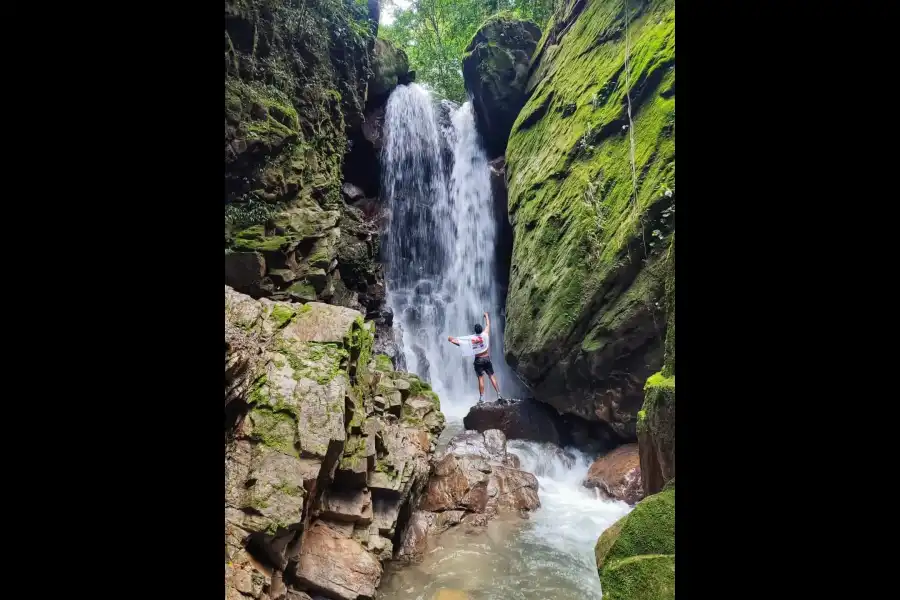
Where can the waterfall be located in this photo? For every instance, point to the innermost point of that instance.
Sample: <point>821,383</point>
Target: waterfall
<point>440,245</point>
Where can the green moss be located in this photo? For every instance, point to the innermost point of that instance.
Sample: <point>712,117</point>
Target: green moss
<point>646,577</point>
<point>254,238</point>
<point>383,466</point>
<point>383,363</point>
<point>576,220</point>
<point>648,529</point>
<point>435,400</point>
<point>274,428</point>
<point>318,361</point>
<point>417,387</point>
<point>282,315</point>
<point>290,489</point>
<point>659,380</point>
<point>669,367</point>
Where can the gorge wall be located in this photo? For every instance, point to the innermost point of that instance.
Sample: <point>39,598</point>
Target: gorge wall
<point>585,317</point>
<point>590,174</point>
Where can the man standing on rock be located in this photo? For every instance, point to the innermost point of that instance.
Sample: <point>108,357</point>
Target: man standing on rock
<point>480,344</point>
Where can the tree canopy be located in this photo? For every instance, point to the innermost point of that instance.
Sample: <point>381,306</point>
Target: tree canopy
<point>435,33</point>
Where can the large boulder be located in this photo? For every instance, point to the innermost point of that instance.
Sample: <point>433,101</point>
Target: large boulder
<point>390,68</point>
<point>474,480</point>
<point>585,317</point>
<point>656,433</point>
<point>636,556</point>
<point>327,448</point>
<point>495,72</point>
<point>617,475</point>
<point>517,419</point>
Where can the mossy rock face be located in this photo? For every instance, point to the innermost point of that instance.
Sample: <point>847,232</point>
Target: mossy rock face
<point>295,81</point>
<point>390,67</point>
<point>656,433</point>
<point>586,293</point>
<point>636,556</point>
<point>495,72</point>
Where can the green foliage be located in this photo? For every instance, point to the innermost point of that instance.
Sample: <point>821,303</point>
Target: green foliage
<point>435,33</point>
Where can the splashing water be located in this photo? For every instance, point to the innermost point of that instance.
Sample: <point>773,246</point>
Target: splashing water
<point>440,248</point>
<point>441,244</point>
<point>547,557</point>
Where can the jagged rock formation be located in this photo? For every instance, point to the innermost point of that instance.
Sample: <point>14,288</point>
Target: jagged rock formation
<point>297,81</point>
<point>584,303</point>
<point>495,72</point>
<point>617,475</point>
<point>474,480</point>
<point>327,449</point>
<point>636,556</point>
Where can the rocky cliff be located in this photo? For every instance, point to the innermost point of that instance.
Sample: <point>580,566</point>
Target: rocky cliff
<point>585,312</point>
<point>297,89</point>
<point>327,450</point>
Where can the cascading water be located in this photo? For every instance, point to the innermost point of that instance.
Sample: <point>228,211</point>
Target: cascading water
<point>441,244</point>
<point>440,247</point>
<point>548,557</point>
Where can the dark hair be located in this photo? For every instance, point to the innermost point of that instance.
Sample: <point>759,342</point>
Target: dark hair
<point>478,328</point>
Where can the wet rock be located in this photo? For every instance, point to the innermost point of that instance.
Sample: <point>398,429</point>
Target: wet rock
<point>473,481</point>
<point>522,419</point>
<point>618,474</point>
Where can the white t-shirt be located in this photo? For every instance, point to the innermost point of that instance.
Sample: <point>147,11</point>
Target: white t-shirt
<point>470,345</point>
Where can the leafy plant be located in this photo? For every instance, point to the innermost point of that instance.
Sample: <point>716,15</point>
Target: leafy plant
<point>434,34</point>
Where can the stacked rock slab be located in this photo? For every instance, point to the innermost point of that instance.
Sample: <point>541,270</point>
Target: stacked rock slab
<point>319,464</point>
<point>474,480</point>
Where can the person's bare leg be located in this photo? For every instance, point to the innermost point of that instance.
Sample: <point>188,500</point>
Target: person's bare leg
<point>481,385</point>
<point>494,383</point>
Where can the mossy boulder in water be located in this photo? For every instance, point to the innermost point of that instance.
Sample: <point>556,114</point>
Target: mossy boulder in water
<point>585,311</point>
<point>495,71</point>
<point>636,556</point>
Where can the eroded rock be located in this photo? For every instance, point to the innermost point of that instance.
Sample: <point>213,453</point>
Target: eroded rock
<point>617,475</point>
<point>308,444</point>
<point>473,480</point>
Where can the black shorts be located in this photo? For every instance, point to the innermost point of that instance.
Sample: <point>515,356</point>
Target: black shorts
<point>483,365</point>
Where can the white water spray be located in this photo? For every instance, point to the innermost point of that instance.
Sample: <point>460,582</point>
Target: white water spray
<point>441,244</point>
<point>440,249</point>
